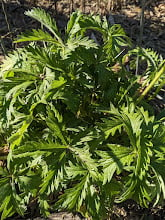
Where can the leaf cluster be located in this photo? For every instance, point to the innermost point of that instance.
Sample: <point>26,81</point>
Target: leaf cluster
<point>78,139</point>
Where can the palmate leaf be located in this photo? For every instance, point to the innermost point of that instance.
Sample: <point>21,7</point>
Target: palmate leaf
<point>75,197</point>
<point>74,43</point>
<point>132,121</point>
<point>158,191</point>
<point>44,206</point>
<point>127,118</point>
<point>138,186</point>
<point>157,77</point>
<point>154,71</point>
<point>138,190</point>
<point>137,124</point>
<point>29,184</point>
<point>15,91</point>
<point>54,172</point>
<point>11,100</point>
<point>152,58</point>
<point>46,20</point>
<point>157,162</point>
<point>19,67</point>
<point>82,135</point>
<point>48,86</point>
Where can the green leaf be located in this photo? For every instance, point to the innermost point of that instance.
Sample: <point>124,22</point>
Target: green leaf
<point>16,138</point>
<point>10,61</point>
<point>116,159</point>
<point>29,184</point>
<point>36,35</point>
<point>111,126</point>
<point>74,196</point>
<point>73,26</point>
<point>75,170</point>
<point>10,201</point>
<point>58,83</point>
<point>84,157</point>
<point>55,127</point>
<point>74,43</point>
<point>35,146</point>
<point>46,20</point>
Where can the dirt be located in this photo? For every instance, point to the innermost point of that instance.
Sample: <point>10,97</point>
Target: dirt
<point>127,13</point>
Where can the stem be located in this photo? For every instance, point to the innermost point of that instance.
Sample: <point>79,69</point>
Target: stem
<point>149,87</point>
<point>142,23</point>
<point>6,18</point>
<point>141,33</point>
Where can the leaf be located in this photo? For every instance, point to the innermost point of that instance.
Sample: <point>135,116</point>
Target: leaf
<point>44,206</point>
<point>55,127</point>
<point>114,160</point>
<point>35,146</point>
<point>45,57</point>
<point>73,26</point>
<point>74,196</point>
<point>84,157</point>
<point>54,180</point>
<point>74,170</point>
<point>10,201</point>
<point>115,40</point>
<point>74,43</point>
<point>111,126</point>
<point>92,22</point>
<point>15,91</point>
<point>36,35</point>
<point>46,20</point>
<point>58,83</point>
<point>29,184</point>
<point>16,138</point>
<point>11,61</point>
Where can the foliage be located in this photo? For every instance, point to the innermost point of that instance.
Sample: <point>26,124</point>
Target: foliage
<point>153,76</point>
<point>78,140</point>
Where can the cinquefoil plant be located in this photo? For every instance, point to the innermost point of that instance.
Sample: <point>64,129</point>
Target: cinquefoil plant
<point>70,149</point>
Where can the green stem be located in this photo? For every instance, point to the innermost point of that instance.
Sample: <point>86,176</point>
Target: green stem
<point>149,87</point>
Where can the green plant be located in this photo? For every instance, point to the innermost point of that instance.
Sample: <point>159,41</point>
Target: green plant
<point>77,140</point>
<point>153,75</point>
